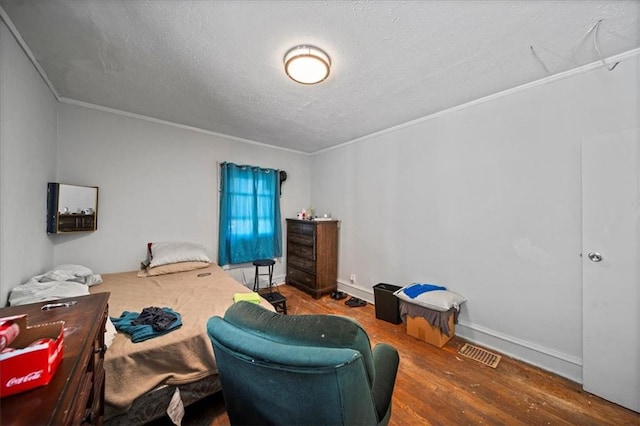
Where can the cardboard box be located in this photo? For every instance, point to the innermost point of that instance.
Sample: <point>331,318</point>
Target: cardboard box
<point>420,328</point>
<point>27,367</point>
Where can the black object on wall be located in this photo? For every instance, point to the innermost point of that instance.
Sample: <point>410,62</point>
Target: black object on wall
<point>52,207</point>
<point>283,177</point>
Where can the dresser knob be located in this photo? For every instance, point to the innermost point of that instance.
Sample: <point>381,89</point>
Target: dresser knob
<point>100,349</point>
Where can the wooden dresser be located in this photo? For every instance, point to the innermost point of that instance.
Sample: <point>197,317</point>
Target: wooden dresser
<point>312,255</point>
<point>75,394</point>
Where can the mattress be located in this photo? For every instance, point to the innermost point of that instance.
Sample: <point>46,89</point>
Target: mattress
<point>153,405</point>
<point>180,357</point>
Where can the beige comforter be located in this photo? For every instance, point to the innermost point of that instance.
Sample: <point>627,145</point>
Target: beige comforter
<point>181,356</point>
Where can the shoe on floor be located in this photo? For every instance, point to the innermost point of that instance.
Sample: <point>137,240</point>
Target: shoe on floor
<point>355,302</point>
<point>338,295</point>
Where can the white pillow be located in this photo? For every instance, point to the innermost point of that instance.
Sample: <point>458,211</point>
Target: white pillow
<point>164,253</point>
<point>438,300</point>
<point>171,268</point>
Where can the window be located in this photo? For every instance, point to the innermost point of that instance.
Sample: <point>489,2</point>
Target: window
<point>250,226</point>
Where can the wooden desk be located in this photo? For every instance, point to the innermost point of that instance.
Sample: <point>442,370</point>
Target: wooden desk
<point>75,395</point>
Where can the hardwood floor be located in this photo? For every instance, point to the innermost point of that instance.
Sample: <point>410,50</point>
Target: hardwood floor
<point>440,387</point>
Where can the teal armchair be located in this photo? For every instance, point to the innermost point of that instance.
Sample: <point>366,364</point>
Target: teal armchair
<point>300,369</point>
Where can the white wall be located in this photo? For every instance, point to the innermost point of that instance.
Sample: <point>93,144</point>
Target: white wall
<point>484,199</point>
<point>156,182</point>
<point>27,163</point>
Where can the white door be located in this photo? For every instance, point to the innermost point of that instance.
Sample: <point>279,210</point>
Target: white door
<point>610,265</point>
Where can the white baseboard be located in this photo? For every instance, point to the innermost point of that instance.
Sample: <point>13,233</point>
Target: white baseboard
<point>548,359</point>
<point>356,291</point>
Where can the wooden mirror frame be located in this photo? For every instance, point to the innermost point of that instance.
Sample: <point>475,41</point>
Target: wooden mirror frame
<point>66,209</point>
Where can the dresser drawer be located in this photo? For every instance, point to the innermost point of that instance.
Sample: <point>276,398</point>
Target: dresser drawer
<point>80,411</point>
<point>301,262</point>
<point>300,251</point>
<point>98,350</point>
<point>97,403</point>
<point>303,240</point>
<point>304,278</point>
<point>301,228</point>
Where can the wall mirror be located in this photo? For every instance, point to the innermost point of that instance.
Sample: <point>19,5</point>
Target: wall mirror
<point>71,208</point>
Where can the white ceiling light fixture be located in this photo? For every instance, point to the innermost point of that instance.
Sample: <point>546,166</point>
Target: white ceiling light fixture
<point>307,64</point>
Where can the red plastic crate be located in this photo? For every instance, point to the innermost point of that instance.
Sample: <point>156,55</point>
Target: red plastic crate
<point>27,367</point>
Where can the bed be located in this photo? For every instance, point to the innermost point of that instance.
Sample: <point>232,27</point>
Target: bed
<point>142,378</point>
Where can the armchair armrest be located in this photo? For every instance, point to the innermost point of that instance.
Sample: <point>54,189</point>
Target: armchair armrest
<point>385,360</point>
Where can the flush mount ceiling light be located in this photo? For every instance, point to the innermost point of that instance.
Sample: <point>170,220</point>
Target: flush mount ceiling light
<point>307,64</point>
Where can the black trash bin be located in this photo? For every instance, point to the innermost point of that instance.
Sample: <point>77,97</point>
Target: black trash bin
<point>387,306</point>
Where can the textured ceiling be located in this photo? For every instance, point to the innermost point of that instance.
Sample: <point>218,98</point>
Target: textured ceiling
<point>217,65</point>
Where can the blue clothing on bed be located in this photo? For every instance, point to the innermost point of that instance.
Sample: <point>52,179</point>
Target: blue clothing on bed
<point>416,290</point>
<point>142,332</point>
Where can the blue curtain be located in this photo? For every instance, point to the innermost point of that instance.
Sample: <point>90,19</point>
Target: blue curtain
<point>250,226</point>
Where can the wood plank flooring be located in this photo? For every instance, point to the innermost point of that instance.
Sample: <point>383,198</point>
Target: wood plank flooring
<point>440,387</point>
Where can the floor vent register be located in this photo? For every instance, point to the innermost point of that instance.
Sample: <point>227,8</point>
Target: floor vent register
<point>481,355</point>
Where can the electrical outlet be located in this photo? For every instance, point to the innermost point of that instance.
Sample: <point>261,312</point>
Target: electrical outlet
<point>353,278</point>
